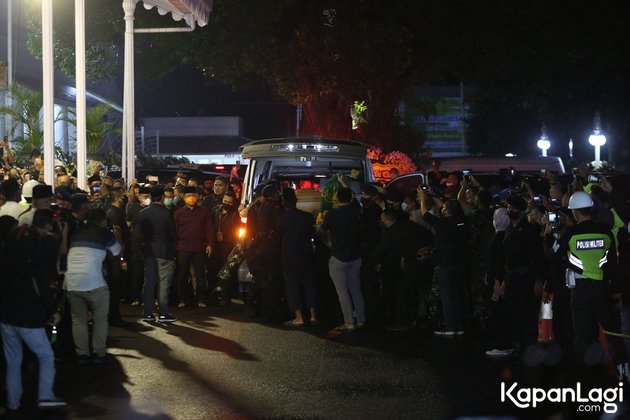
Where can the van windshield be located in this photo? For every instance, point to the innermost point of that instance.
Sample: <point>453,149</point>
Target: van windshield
<point>300,174</point>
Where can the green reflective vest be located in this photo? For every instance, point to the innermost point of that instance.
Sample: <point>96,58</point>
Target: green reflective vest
<point>588,252</point>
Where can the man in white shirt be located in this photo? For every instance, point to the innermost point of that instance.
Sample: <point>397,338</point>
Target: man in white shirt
<point>11,192</point>
<point>86,286</point>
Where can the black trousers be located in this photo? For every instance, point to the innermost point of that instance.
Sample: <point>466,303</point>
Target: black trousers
<point>591,306</point>
<point>524,308</point>
<point>297,282</point>
<point>115,284</point>
<point>371,287</point>
<point>184,286</point>
<point>136,268</point>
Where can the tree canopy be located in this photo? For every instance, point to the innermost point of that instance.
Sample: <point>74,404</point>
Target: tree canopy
<point>543,62</point>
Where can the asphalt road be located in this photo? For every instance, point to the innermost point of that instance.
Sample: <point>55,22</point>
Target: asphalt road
<point>215,363</point>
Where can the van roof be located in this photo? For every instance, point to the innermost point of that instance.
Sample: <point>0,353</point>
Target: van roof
<point>493,164</point>
<point>304,146</point>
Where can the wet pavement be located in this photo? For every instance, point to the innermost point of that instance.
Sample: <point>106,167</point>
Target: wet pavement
<point>215,363</point>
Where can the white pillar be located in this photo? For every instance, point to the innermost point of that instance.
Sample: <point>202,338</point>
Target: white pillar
<point>65,138</point>
<point>79,40</point>
<point>10,41</point>
<point>48,77</point>
<point>597,154</point>
<point>6,120</point>
<point>129,136</point>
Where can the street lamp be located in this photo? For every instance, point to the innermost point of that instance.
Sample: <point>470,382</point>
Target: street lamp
<point>543,143</point>
<point>597,139</point>
<point>571,148</point>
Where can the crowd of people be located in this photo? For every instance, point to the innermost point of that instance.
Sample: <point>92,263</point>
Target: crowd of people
<point>455,255</point>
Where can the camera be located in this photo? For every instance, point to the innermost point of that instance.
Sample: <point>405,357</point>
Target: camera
<point>554,201</point>
<point>554,220</point>
<point>56,211</point>
<point>593,178</point>
<point>543,172</point>
<point>537,199</point>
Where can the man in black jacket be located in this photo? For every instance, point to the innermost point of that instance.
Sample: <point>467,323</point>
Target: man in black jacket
<point>226,220</point>
<point>296,231</point>
<point>524,265</point>
<point>26,305</point>
<point>451,242</point>
<point>158,237</point>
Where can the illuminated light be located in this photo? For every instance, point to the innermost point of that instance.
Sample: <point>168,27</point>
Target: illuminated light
<point>320,176</point>
<point>244,220</point>
<point>241,232</point>
<point>510,155</point>
<point>304,147</point>
<point>544,144</point>
<point>220,167</point>
<point>597,139</point>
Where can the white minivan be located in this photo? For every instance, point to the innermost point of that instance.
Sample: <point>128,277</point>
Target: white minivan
<point>304,163</point>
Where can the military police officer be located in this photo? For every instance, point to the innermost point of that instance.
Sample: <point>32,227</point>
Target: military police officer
<point>592,277</point>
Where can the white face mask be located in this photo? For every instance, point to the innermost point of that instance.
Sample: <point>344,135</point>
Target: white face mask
<point>146,202</point>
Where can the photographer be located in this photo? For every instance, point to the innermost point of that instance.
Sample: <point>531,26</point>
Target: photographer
<point>451,256</point>
<point>557,223</point>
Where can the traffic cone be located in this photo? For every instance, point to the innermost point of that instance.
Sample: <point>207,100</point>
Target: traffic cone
<point>545,321</point>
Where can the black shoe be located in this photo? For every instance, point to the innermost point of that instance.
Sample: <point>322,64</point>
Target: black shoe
<point>101,360</point>
<point>148,318</point>
<point>399,328</point>
<point>84,360</point>
<point>10,413</point>
<point>166,318</point>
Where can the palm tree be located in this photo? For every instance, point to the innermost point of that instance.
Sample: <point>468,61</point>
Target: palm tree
<point>96,125</point>
<point>24,112</point>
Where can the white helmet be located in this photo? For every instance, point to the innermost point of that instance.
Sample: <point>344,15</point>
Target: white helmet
<point>27,188</point>
<point>580,200</point>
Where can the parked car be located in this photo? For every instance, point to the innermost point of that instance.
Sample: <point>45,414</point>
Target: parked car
<point>486,164</point>
<point>167,175</point>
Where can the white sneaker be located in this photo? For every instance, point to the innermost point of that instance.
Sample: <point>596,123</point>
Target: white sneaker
<point>499,353</point>
<point>52,403</point>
